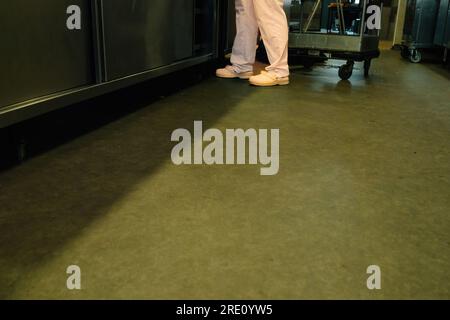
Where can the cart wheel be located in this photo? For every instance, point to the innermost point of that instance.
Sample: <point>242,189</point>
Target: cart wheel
<point>367,64</point>
<point>346,71</point>
<point>404,53</point>
<point>415,56</point>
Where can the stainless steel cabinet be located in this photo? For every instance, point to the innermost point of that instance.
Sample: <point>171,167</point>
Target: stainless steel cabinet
<point>38,54</point>
<point>447,31</point>
<point>420,23</point>
<point>231,25</point>
<point>205,31</point>
<point>442,23</point>
<point>44,66</point>
<point>145,34</point>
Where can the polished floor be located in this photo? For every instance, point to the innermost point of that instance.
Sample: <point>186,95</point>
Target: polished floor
<point>364,180</point>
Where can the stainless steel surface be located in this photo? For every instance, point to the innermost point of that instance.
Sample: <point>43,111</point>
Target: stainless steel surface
<point>420,23</point>
<point>97,41</point>
<point>360,42</point>
<point>45,67</point>
<point>205,26</point>
<point>38,54</point>
<point>231,26</point>
<point>333,42</point>
<point>142,35</point>
<point>442,33</point>
<point>447,31</point>
<point>31,108</point>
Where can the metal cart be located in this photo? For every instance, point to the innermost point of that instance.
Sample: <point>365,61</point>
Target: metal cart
<point>333,29</point>
<point>419,30</point>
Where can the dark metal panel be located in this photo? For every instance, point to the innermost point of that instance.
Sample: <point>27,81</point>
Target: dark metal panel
<point>231,26</point>
<point>447,30</point>
<point>205,26</point>
<point>441,24</point>
<point>46,57</point>
<point>98,41</point>
<point>33,108</point>
<point>420,22</point>
<point>144,34</point>
<point>38,54</point>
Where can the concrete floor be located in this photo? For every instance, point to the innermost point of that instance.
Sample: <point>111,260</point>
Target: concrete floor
<point>364,179</point>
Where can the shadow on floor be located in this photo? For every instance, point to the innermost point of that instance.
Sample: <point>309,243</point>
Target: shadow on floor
<point>86,157</point>
<point>434,60</point>
<point>440,68</point>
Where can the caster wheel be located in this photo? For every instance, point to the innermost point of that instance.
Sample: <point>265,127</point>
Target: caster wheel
<point>346,71</point>
<point>367,64</point>
<point>415,56</point>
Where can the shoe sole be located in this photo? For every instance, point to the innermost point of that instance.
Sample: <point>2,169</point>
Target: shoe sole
<point>280,83</point>
<point>234,77</point>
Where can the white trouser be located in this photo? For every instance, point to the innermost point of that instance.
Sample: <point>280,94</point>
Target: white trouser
<point>269,17</point>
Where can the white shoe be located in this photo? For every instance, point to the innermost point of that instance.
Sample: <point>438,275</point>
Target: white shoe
<point>230,73</point>
<point>268,79</point>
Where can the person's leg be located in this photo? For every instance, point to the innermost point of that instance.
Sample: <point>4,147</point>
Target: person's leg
<point>274,28</point>
<point>244,48</point>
